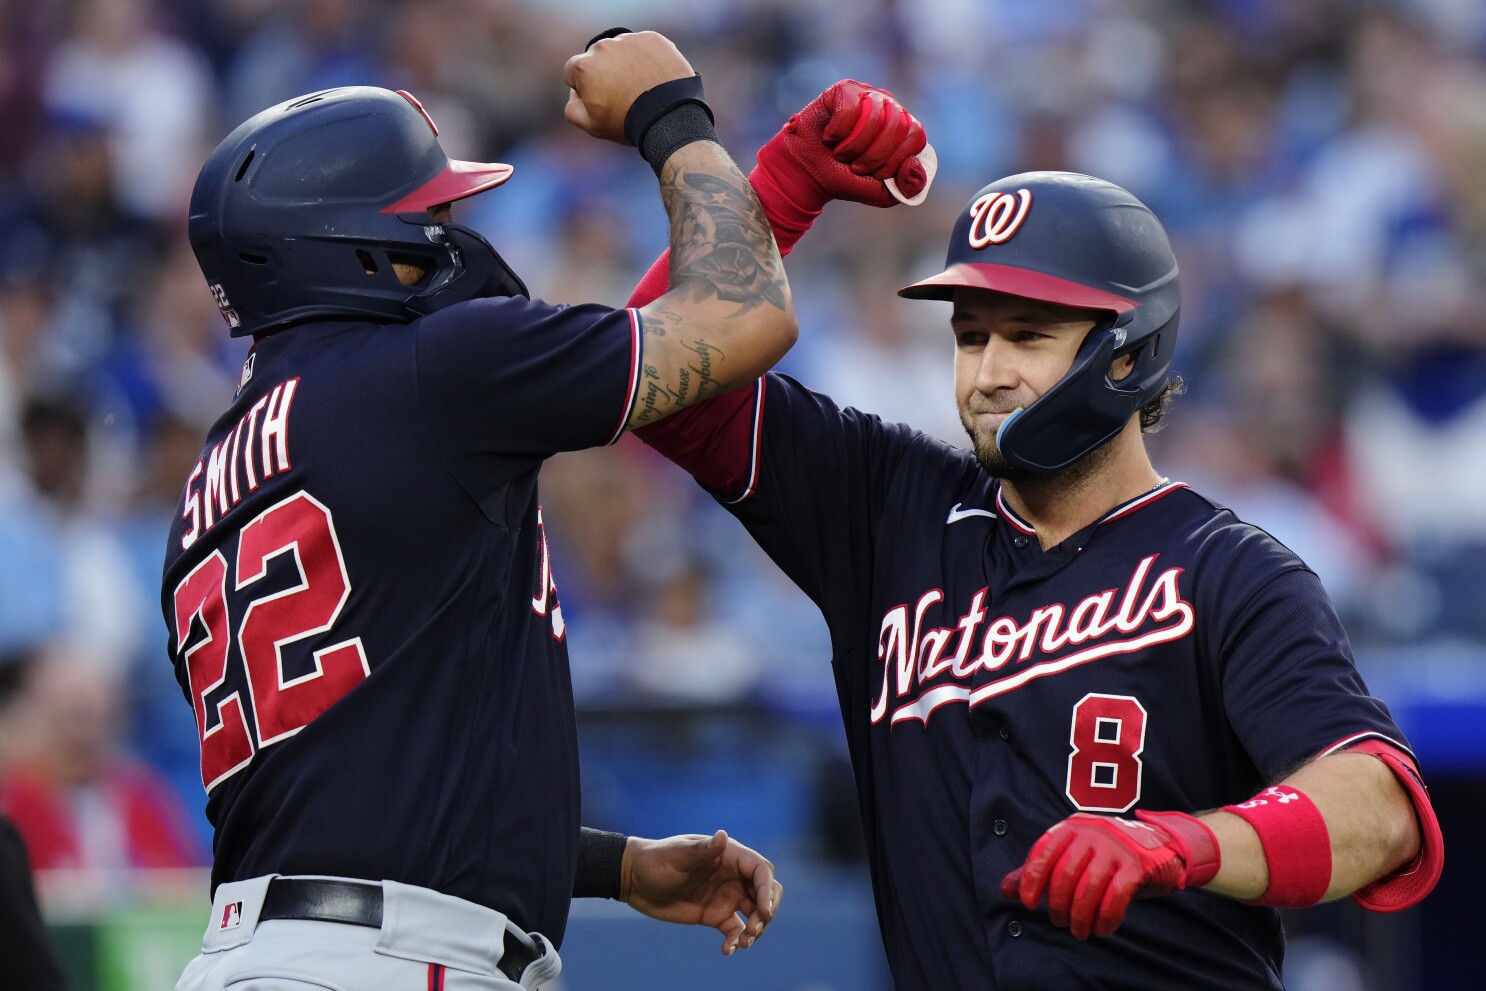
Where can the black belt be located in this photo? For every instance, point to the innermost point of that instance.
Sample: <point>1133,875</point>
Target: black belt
<point>357,903</point>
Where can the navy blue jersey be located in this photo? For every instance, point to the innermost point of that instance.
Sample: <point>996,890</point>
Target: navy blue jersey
<point>1167,657</point>
<point>361,606</point>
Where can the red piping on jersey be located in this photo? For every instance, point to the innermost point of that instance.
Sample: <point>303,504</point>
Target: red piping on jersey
<point>435,977</point>
<point>756,447</point>
<point>1357,738</point>
<point>1119,512</point>
<point>634,377</point>
<point>716,441</point>
<point>1010,515</point>
<point>1140,501</point>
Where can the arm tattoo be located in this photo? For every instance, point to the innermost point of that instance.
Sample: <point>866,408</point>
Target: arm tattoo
<point>721,250</point>
<point>694,382</point>
<point>721,244</point>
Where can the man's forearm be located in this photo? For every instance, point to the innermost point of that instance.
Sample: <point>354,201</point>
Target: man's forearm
<point>721,244</point>
<point>728,315</point>
<point>1369,822</point>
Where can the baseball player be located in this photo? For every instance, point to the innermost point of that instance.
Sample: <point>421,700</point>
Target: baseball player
<point>361,606</point>
<point>1069,684</point>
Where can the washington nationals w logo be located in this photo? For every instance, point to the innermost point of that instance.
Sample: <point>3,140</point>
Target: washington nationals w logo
<point>994,217</point>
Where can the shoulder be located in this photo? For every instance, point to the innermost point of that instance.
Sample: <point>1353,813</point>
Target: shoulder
<point>507,311</point>
<point>1218,531</point>
<point>791,399</point>
<point>903,466</point>
<point>1238,567</point>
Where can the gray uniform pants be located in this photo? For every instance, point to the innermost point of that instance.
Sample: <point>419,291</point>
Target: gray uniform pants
<point>427,941</point>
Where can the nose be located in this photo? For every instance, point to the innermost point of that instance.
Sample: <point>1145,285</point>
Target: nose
<point>996,370</point>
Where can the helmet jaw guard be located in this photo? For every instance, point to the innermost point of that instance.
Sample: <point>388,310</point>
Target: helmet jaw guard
<point>478,272</point>
<point>302,212</point>
<point>1080,242</point>
<point>1086,408</point>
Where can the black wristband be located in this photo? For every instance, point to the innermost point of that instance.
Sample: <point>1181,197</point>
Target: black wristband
<point>657,101</point>
<point>667,117</point>
<point>674,130</point>
<point>600,858</point>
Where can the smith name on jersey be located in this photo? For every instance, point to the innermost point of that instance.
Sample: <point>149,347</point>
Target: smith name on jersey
<point>361,603</point>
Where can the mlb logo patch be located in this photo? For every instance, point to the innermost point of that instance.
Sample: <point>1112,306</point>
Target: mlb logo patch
<point>232,916</point>
<point>247,373</point>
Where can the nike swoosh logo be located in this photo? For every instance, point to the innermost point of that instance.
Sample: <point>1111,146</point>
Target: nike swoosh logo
<point>956,514</point>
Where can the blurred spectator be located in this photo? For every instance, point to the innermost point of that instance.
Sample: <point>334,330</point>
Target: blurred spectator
<point>62,570</point>
<point>684,652</point>
<point>300,47</point>
<point>160,727</point>
<point>28,33</point>
<point>887,356</point>
<point>152,92</point>
<point>80,802</point>
<point>176,357</point>
<point>71,242</point>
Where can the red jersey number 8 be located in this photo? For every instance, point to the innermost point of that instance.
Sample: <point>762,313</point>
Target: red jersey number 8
<point>281,706</point>
<point>1107,736</point>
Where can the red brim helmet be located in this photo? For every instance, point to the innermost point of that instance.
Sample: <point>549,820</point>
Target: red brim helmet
<point>302,212</point>
<point>1083,242</point>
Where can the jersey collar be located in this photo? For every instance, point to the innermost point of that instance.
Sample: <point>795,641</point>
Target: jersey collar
<point>1119,512</point>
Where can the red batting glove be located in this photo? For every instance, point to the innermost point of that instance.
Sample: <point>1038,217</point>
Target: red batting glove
<point>1091,867</point>
<point>844,146</point>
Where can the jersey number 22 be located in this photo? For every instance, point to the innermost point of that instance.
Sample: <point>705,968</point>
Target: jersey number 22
<point>281,706</point>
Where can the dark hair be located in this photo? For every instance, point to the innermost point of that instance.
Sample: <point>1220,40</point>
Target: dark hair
<point>15,665</point>
<point>54,411</point>
<point>1152,412</point>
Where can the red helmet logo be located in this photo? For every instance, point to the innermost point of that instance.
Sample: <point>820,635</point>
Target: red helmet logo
<point>996,216</point>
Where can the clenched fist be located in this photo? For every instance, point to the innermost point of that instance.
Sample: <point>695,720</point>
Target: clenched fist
<point>605,80</point>
<point>849,143</point>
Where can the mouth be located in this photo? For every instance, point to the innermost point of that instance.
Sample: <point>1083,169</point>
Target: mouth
<point>992,418</point>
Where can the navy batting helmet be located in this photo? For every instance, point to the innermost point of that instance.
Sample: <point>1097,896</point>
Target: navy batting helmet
<point>302,211</point>
<point>1083,242</point>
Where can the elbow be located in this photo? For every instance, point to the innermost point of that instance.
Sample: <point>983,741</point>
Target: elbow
<point>773,331</point>
<point>1403,837</point>
<point>787,328</point>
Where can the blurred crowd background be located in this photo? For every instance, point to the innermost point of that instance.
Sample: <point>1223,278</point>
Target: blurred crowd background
<point>1320,165</point>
